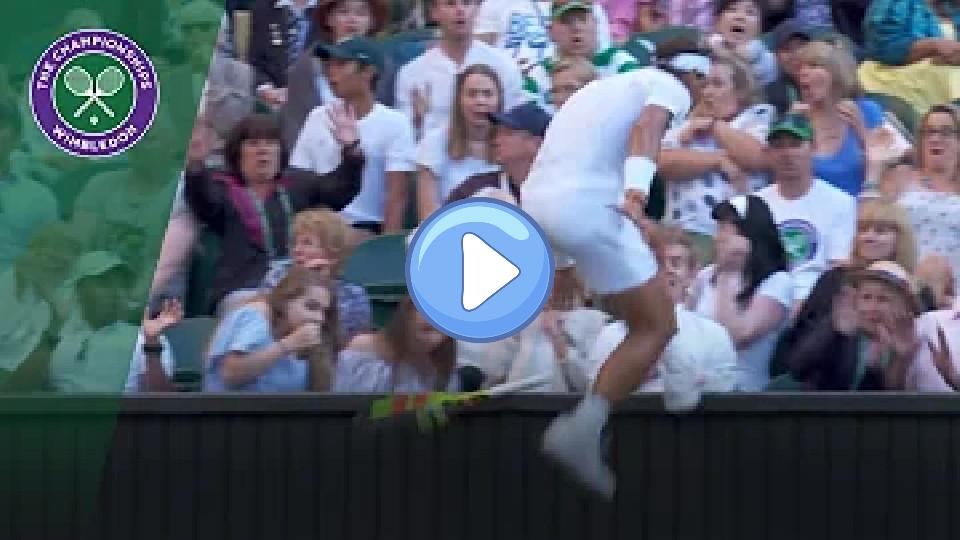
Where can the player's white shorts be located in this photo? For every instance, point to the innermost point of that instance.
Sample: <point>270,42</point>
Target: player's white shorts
<point>610,252</point>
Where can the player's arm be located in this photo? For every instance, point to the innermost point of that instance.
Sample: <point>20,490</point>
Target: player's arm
<point>644,146</point>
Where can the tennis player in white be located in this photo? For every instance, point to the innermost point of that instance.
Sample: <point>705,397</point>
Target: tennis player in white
<point>587,189</point>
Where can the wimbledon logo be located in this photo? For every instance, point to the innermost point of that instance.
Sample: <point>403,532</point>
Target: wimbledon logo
<point>94,93</point>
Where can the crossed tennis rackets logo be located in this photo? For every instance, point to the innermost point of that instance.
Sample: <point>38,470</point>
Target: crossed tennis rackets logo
<point>81,84</point>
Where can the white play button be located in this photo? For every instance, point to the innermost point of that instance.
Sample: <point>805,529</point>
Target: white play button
<point>485,271</point>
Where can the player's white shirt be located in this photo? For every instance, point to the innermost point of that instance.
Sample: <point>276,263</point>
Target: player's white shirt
<point>585,147</point>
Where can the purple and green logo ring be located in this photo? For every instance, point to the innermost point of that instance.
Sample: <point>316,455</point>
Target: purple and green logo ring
<point>94,93</point>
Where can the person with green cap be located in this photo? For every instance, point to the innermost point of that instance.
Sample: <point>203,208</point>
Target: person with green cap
<point>817,221</point>
<point>94,350</point>
<point>386,136</point>
<point>521,28</point>
<point>573,29</point>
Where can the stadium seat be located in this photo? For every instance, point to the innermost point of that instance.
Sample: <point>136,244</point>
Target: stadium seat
<point>189,340</point>
<point>904,112</point>
<point>786,383</point>
<point>377,260</point>
<point>201,277</point>
<point>378,266</point>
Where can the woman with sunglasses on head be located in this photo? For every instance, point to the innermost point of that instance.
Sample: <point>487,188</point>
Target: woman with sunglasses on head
<point>749,290</point>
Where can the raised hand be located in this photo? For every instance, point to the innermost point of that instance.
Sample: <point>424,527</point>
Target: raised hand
<point>343,120</point>
<point>421,105</point>
<point>942,359</point>
<point>898,332</point>
<point>849,111</point>
<point>308,335</point>
<point>171,312</point>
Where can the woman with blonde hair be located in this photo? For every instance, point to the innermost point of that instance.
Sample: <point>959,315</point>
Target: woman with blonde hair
<point>849,138</point>
<point>567,77</point>
<point>884,233</point>
<point>322,241</point>
<point>447,156</point>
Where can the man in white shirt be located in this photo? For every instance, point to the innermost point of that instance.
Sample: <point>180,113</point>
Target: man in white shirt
<point>521,27</point>
<point>386,137</point>
<point>817,221</point>
<point>596,163</point>
<point>425,86</point>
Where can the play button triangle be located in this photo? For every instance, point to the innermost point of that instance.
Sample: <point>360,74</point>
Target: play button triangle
<point>485,271</point>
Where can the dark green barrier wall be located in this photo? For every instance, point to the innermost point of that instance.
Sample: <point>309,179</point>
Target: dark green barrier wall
<point>773,467</point>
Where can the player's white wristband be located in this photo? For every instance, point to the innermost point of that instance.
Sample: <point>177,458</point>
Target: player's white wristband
<point>638,173</point>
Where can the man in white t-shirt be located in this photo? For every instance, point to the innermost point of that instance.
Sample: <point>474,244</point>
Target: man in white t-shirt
<point>425,86</point>
<point>521,27</point>
<point>386,136</point>
<point>817,221</point>
<point>596,163</point>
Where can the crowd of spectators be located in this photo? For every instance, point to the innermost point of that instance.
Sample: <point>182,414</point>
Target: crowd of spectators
<point>808,209</point>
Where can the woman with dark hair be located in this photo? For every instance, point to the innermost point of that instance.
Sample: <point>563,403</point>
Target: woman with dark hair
<point>447,156</point>
<point>407,355</point>
<point>250,206</point>
<point>284,341</point>
<point>749,289</point>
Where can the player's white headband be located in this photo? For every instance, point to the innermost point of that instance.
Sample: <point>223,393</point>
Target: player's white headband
<point>686,62</point>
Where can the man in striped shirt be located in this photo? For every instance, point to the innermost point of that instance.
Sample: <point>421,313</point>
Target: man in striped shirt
<point>574,32</point>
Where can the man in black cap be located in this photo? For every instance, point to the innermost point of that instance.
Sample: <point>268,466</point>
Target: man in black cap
<point>386,136</point>
<point>787,40</point>
<point>519,133</point>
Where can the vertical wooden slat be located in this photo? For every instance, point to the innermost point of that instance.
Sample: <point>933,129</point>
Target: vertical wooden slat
<point>335,475</point>
<point>542,483</point>
<point>512,456</point>
<point>632,476</point>
<point>481,461</point>
<point>122,481</point>
<point>94,441</point>
<point>661,485</point>
<point>421,487</point>
<point>720,480</point>
<point>243,478</point>
<point>691,473</point>
<point>59,487</point>
<point>814,478</point>
<point>272,467</point>
<point>904,474</point>
<point>391,476</point>
<point>362,483</point>
<point>152,497</point>
<point>953,475</point>
<point>843,455</point>
<point>212,478</point>
<point>874,478</point>
<point>784,509</point>
<point>182,473</point>
<point>8,485</point>
<point>305,506</point>
<point>934,486</point>
<point>751,477</point>
<point>453,481</point>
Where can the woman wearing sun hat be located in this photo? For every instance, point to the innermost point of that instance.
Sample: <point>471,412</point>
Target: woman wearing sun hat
<point>870,340</point>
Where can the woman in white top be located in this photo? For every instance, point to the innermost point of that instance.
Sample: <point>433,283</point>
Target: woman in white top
<point>713,157</point>
<point>448,156</point>
<point>930,194</point>
<point>748,290</point>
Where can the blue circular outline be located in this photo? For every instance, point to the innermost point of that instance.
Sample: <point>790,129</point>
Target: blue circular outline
<point>551,260</point>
